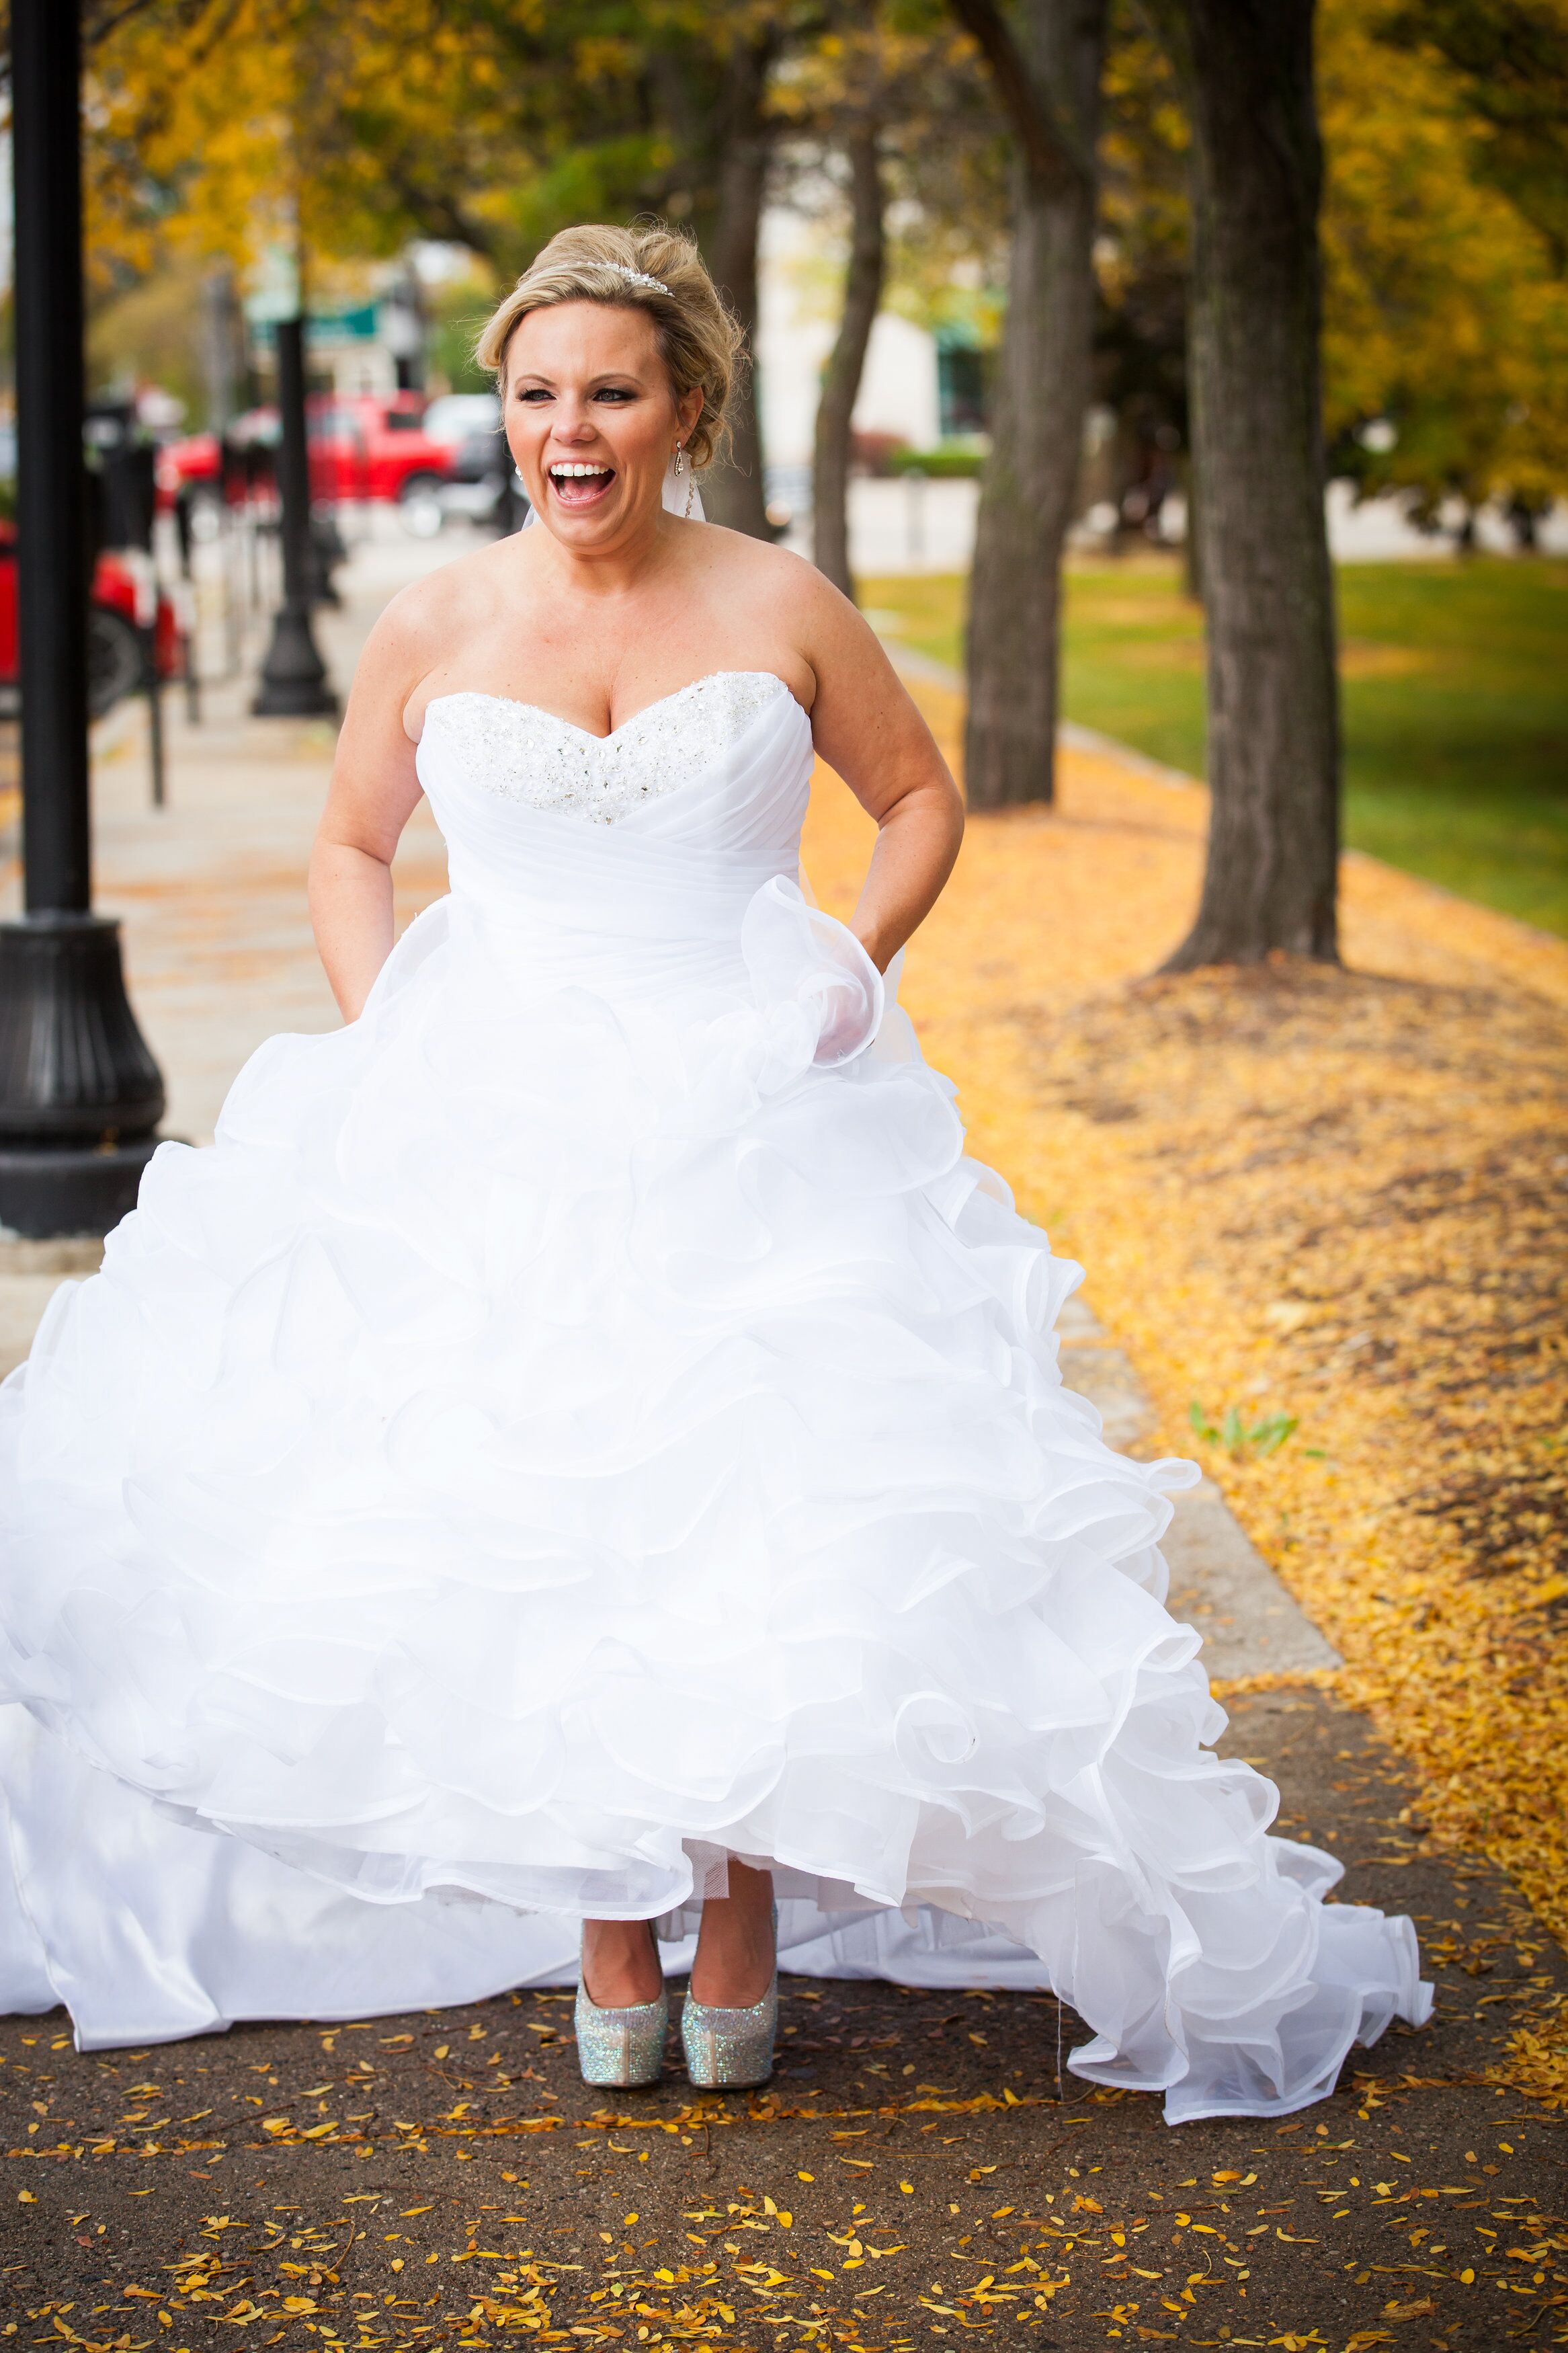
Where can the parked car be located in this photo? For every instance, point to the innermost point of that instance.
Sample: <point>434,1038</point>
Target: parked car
<point>202,466</point>
<point>375,447</point>
<point>365,448</point>
<point>483,486</point>
<point>459,416</point>
<point>126,602</point>
<point>189,467</point>
<point>481,457</point>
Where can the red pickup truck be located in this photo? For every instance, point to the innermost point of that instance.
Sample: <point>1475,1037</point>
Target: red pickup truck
<point>371,446</point>
<point>375,449</point>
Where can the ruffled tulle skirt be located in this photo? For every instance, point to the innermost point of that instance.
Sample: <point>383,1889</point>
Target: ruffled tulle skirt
<point>558,1438</point>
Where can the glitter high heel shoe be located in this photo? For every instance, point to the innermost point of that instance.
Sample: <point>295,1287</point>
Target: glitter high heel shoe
<point>732,2048</point>
<point>620,2048</point>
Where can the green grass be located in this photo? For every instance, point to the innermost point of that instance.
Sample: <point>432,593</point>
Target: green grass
<point>1455,703</point>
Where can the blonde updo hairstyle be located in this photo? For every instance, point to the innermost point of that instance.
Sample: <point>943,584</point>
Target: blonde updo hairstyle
<point>698,341</point>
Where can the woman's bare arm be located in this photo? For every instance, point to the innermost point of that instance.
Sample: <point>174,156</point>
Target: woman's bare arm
<point>373,795</point>
<point>868,729</point>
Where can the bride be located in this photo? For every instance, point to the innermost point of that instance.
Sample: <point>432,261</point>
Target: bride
<point>583,1456</point>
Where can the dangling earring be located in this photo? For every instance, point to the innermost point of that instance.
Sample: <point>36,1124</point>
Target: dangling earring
<point>679,458</point>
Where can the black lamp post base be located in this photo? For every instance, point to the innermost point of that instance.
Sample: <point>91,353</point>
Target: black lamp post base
<point>48,1192</point>
<point>80,1096</point>
<point>294,677</point>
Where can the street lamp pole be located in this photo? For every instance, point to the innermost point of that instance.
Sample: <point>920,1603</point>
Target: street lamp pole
<point>80,1096</point>
<point>293,677</point>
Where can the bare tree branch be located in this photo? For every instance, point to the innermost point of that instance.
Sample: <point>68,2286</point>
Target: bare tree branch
<point>439,215</point>
<point>1052,153</point>
<point>847,361</point>
<point>100,25</point>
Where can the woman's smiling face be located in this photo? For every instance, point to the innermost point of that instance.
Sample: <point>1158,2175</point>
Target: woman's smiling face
<point>591,420</point>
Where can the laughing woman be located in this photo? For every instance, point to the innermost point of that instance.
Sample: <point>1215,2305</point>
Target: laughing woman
<point>587,1441</point>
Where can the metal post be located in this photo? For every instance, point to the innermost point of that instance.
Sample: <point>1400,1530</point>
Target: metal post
<point>191,672</point>
<point>80,1094</point>
<point>155,723</point>
<point>294,677</point>
<point>218,342</point>
<point>403,326</point>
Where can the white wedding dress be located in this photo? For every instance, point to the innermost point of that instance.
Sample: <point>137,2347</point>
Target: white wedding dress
<point>588,1419</point>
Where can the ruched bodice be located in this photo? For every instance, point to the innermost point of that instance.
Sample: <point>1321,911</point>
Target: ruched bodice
<point>705,805</point>
<point>587,1418</point>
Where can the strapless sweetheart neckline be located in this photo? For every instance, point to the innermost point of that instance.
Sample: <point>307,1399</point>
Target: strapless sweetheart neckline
<point>661,702</point>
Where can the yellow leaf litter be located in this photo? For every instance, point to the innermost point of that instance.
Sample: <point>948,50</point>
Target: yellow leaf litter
<point>1299,1192</point>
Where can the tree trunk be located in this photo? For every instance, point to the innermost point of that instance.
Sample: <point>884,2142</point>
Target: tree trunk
<point>1192,554</point>
<point>222,324</point>
<point>1028,495</point>
<point>1026,500</point>
<point>841,379</point>
<point>1037,422</point>
<point>1273,706</point>
<point>732,489</point>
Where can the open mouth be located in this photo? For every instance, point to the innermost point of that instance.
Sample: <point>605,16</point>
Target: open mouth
<point>580,482</point>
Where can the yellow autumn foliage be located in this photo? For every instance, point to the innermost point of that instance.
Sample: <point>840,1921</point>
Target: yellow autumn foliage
<point>236,124</point>
<point>1445,310</point>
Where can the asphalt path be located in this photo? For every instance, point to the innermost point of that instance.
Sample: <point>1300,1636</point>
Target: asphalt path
<point>918,2169</point>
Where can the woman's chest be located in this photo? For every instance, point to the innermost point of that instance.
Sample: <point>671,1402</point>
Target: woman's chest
<point>598,671</point>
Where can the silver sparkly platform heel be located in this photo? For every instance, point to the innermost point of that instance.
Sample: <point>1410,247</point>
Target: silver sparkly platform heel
<point>620,2048</point>
<point>732,2049</point>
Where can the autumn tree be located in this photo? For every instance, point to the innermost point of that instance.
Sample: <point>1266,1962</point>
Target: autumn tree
<point>863,280</point>
<point>490,122</point>
<point>1445,349</point>
<point>1271,874</point>
<point>1045,58</point>
<point>1414,219</point>
<point>1446,308</point>
<point>1142,264</point>
<point>1509,62</point>
<point>863,106</point>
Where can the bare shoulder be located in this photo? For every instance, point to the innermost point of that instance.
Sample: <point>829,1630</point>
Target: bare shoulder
<point>783,593</point>
<point>864,722</point>
<point>422,618</point>
<point>757,568</point>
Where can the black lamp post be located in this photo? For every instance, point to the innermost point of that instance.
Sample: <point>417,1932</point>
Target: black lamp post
<point>80,1096</point>
<point>293,677</point>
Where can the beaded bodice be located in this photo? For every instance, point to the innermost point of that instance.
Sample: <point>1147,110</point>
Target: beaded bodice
<point>629,856</point>
<point>532,755</point>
